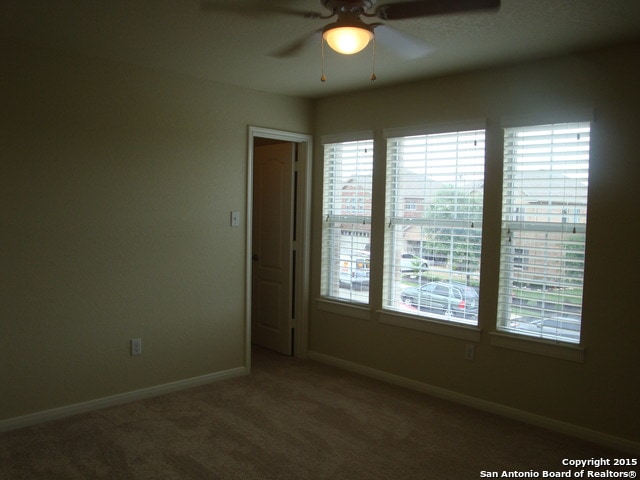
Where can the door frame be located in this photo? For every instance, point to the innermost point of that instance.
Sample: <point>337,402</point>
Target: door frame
<point>302,244</point>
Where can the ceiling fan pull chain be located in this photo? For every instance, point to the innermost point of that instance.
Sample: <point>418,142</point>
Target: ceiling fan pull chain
<point>322,77</point>
<point>373,67</point>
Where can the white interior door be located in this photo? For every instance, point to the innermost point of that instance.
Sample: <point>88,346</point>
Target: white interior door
<point>272,247</point>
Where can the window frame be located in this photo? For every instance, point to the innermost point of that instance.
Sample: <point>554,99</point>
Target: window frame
<point>425,320</point>
<point>509,337</point>
<point>469,333</point>
<point>337,214</point>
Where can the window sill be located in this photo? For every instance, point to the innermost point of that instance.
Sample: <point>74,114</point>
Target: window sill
<point>448,329</point>
<point>572,353</point>
<point>343,308</point>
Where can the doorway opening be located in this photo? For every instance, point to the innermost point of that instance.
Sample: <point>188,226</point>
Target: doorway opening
<point>278,221</point>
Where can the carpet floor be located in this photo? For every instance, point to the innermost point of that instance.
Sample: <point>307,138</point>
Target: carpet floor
<point>289,419</point>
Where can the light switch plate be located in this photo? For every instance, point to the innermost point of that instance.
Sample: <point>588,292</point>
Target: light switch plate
<point>235,219</point>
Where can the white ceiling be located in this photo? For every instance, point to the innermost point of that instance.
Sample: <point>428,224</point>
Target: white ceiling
<point>181,36</point>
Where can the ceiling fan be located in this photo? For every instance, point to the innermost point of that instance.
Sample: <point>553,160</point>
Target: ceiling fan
<point>349,33</point>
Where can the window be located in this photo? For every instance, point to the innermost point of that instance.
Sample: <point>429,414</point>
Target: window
<point>346,227</point>
<point>411,204</point>
<point>544,218</point>
<point>432,251</point>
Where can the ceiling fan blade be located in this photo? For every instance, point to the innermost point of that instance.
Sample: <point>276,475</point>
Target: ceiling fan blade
<point>400,43</point>
<point>253,7</point>
<point>427,8</point>
<point>296,47</point>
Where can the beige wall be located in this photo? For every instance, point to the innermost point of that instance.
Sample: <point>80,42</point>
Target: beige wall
<point>116,185</point>
<point>598,395</point>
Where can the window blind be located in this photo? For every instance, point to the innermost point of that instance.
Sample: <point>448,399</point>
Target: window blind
<point>434,201</point>
<point>346,226</point>
<point>544,219</point>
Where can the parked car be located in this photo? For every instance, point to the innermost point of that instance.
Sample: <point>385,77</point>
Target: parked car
<point>410,263</point>
<point>447,298</point>
<point>563,328</point>
<point>354,271</point>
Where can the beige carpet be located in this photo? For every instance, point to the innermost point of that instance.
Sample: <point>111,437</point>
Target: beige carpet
<point>290,419</point>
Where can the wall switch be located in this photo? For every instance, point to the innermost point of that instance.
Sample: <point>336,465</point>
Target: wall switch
<point>235,219</point>
<point>136,346</point>
<point>469,352</point>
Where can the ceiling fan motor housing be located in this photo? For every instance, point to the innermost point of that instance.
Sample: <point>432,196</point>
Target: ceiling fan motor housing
<point>356,7</point>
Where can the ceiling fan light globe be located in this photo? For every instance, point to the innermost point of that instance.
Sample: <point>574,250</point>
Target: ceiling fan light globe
<point>348,40</point>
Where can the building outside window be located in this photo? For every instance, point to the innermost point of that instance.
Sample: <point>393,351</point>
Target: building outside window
<point>346,226</point>
<point>433,237</point>
<point>544,220</point>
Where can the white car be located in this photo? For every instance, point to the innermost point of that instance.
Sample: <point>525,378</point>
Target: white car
<point>561,328</point>
<point>354,271</point>
<point>410,263</point>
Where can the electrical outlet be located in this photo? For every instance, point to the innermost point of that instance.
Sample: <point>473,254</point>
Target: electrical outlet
<point>469,352</point>
<point>136,346</point>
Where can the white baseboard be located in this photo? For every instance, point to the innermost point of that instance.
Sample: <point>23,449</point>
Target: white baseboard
<point>144,393</point>
<point>576,431</point>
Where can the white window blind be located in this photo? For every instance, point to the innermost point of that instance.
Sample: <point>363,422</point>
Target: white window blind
<point>544,219</point>
<point>433,237</point>
<point>346,226</point>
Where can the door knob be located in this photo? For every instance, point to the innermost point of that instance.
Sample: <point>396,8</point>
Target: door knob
<point>254,257</point>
